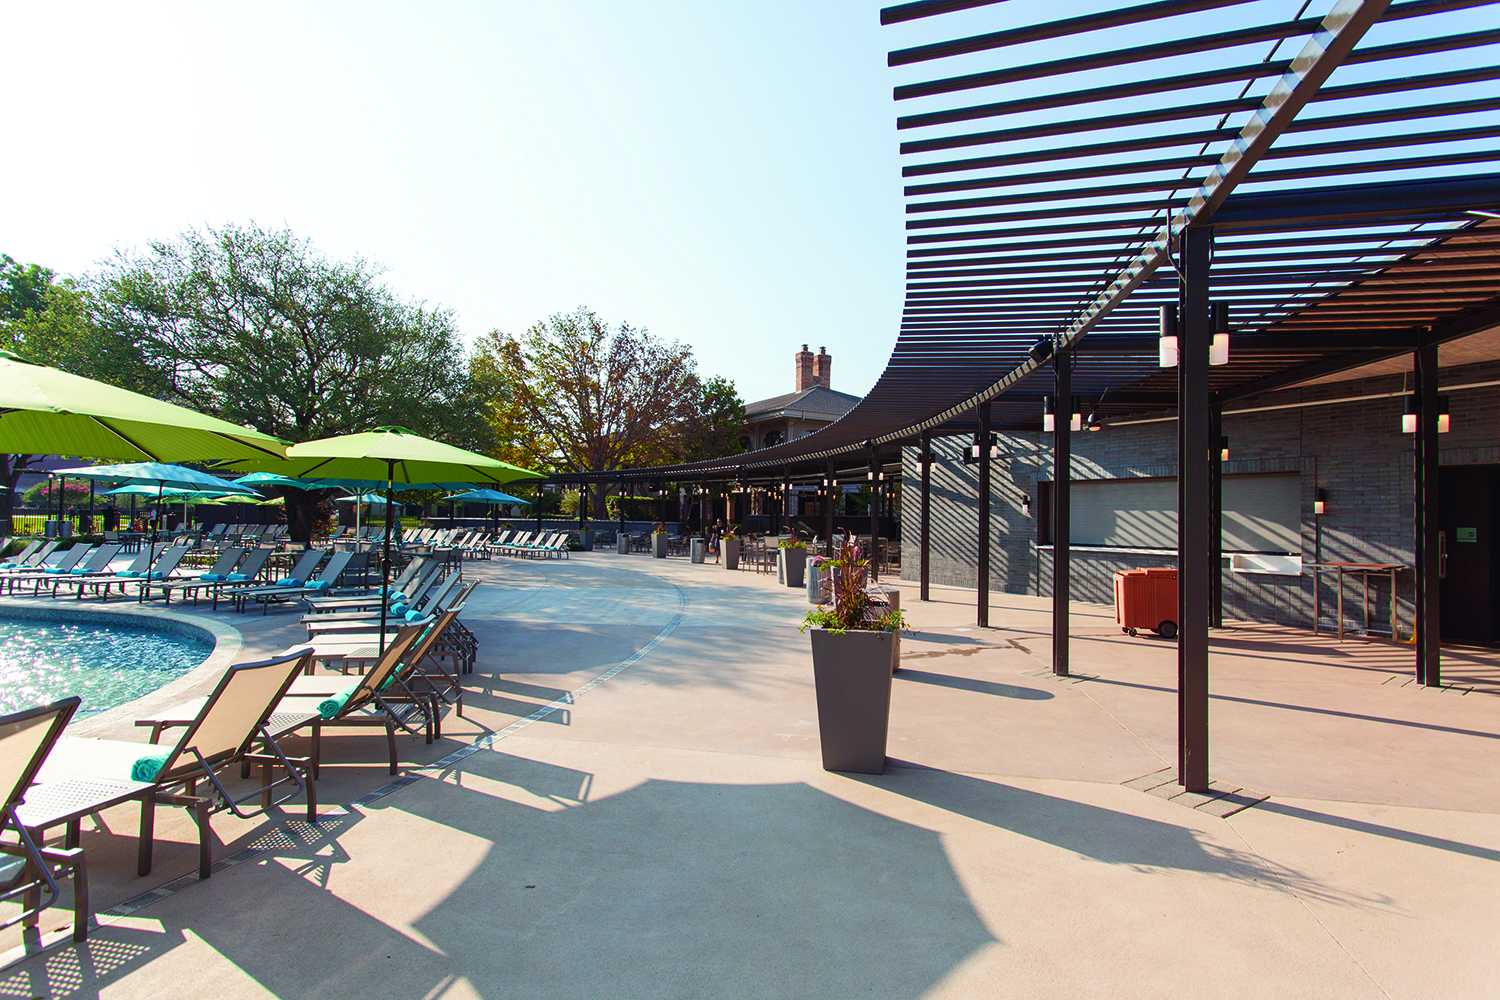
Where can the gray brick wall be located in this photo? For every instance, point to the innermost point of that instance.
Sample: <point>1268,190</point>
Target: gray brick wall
<point>1353,450</point>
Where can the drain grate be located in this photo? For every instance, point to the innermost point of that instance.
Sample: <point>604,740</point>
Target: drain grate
<point>1221,800</point>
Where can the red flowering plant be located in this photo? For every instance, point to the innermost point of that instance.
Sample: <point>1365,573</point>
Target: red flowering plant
<point>853,607</point>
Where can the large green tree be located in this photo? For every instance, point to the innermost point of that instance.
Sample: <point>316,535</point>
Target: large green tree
<point>256,326</point>
<point>576,394</point>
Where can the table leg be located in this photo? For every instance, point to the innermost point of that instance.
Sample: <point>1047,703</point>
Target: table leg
<point>1395,634</point>
<point>1341,604</point>
<point>1317,597</point>
<point>1366,575</point>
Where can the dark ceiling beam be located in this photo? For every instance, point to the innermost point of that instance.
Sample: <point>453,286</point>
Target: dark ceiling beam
<point>1390,199</point>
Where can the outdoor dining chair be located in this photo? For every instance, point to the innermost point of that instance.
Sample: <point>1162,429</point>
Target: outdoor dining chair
<point>27,869</point>
<point>82,776</point>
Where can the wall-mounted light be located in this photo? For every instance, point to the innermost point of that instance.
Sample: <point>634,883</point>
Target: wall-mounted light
<point>971,453</point>
<point>1445,422</point>
<point>1409,415</point>
<point>1320,502</point>
<point>1168,354</point>
<point>1218,351</point>
<point>1026,504</point>
<point>1224,448</point>
<point>1094,425</point>
<point>1049,419</point>
<point>876,475</point>
<point>1075,423</point>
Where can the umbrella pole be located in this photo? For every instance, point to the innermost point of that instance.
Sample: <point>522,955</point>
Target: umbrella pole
<point>151,552</point>
<point>385,561</point>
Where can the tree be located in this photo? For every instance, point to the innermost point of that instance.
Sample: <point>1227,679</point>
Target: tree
<point>256,326</point>
<point>584,396</point>
<point>715,428</point>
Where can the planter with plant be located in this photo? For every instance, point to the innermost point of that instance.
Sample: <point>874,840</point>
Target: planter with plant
<point>731,543</point>
<point>659,542</point>
<point>794,562</point>
<point>853,648</point>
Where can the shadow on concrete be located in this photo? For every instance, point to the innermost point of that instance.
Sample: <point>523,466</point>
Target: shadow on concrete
<point>972,684</point>
<point>1105,835</point>
<point>1384,720</point>
<point>1379,830</point>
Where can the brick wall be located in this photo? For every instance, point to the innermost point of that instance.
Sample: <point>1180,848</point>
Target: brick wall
<point>1353,450</point>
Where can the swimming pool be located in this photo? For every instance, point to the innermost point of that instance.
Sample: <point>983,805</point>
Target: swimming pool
<point>104,664</point>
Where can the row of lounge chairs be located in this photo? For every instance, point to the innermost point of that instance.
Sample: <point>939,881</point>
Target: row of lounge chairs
<point>49,780</point>
<point>532,544</point>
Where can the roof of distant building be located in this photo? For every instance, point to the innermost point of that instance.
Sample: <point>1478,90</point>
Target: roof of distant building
<point>817,401</point>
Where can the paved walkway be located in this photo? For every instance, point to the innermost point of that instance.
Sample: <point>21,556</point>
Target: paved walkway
<point>670,833</point>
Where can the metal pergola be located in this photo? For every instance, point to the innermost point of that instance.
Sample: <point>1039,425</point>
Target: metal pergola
<point>1320,187</point>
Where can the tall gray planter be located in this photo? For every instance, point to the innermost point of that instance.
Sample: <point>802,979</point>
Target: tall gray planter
<point>586,539</point>
<point>659,544</point>
<point>852,674</point>
<point>795,561</point>
<point>731,553</point>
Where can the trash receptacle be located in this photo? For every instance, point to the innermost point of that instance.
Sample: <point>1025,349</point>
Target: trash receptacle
<point>814,584</point>
<point>699,548</point>
<point>622,543</point>
<point>1147,599</point>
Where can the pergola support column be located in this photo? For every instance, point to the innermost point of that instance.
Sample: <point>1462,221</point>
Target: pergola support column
<point>875,473</point>
<point>1216,515</point>
<point>1062,505</point>
<point>1196,452</point>
<point>983,615</point>
<point>830,490</point>
<point>1428,623</point>
<point>925,534</point>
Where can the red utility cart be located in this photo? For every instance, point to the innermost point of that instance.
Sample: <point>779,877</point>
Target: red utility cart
<point>1147,599</point>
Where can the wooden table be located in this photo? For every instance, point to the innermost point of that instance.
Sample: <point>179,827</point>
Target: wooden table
<point>1364,570</point>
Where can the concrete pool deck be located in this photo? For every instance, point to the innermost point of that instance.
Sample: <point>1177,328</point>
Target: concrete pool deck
<point>670,832</point>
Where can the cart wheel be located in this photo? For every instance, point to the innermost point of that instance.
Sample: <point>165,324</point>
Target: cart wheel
<point>1167,630</point>
<point>1125,629</point>
<point>1132,632</point>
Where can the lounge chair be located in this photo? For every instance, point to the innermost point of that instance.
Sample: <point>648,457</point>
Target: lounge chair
<point>96,565</point>
<point>27,869</point>
<point>83,775</point>
<point>326,582</point>
<point>58,562</point>
<point>161,572</point>
<point>19,559</point>
<point>420,612</point>
<point>414,576</point>
<point>367,605</point>
<point>216,576</point>
<point>300,571</point>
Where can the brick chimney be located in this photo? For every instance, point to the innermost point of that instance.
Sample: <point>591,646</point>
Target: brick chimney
<point>824,368</point>
<point>805,377</point>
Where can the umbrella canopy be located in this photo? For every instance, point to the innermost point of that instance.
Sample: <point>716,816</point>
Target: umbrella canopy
<point>388,454</point>
<point>158,474</point>
<point>46,411</point>
<point>487,496</point>
<point>362,498</point>
<point>147,489</point>
<point>272,479</point>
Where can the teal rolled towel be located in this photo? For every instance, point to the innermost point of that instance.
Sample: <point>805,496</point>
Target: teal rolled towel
<point>239,578</point>
<point>129,574</point>
<point>399,609</point>
<point>396,595</point>
<point>318,585</point>
<point>334,703</point>
<point>146,768</point>
<point>53,569</point>
<point>211,577</point>
<point>289,581</point>
<point>414,615</point>
<point>77,571</point>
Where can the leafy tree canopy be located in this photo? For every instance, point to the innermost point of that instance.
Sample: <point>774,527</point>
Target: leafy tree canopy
<point>577,394</point>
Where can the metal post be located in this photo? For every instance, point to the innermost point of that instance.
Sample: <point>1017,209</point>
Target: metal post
<point>1195,452</point>
<point>875,473</point>
<point>926,529</point>
<point>1216,516</point>
<point>583,505</point>
<point>830,485</point>
<point>385,556</point>
<point>983,601</point>
<point>1428,626</point>
<point>1062,506</point>
<point>538,509</point>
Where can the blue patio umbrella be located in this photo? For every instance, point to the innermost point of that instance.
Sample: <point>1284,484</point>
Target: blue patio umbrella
<point>488,496</point>
<point>163,476</point>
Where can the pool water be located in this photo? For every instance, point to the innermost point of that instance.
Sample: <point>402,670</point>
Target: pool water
<point>105,665</point>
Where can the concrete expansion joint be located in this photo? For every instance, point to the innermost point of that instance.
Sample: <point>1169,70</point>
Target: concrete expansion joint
<point>1221,800</point>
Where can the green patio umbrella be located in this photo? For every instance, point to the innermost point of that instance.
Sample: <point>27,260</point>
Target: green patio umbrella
<point>47,411</point>
<point>390,455</point>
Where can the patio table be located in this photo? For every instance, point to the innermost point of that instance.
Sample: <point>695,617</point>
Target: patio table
<point>1364,571</point>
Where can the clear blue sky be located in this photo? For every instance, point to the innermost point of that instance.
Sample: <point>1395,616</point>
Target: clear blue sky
<point>722,174</point>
